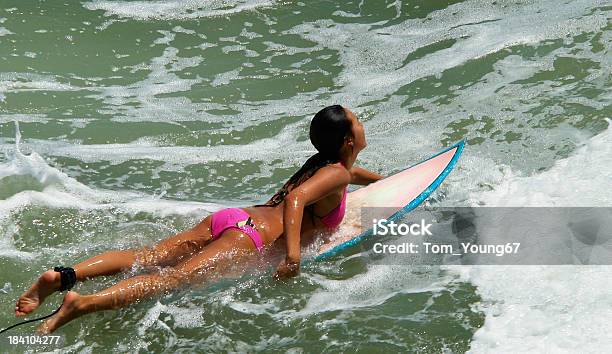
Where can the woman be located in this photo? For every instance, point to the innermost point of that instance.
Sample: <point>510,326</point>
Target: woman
<point>312,200</point>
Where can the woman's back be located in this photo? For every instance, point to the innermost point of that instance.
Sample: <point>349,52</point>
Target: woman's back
<point>325,214</point>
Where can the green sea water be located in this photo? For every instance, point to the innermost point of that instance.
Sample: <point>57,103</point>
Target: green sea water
<point>124,122</point>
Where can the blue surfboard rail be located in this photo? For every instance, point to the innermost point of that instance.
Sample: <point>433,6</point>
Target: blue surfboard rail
<point>405,210</point>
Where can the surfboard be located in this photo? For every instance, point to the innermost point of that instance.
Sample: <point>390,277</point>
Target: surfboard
<point>398,194</point>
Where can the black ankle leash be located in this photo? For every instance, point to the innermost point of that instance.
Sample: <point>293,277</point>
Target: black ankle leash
<point>67,276</point>
<point>68,279</point>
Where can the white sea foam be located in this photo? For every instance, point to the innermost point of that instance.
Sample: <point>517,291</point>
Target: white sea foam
<point>172,156</point>
<point>548,308</point>
<point>183,317</point>
<point>58,190</point>
<point>5,32</point>
<point>174,9</point>
<point>27,82</point>
<point>378,284</point>
<point>375,56</point>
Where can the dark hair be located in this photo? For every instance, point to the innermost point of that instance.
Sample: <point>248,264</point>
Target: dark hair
<point>328,129</point>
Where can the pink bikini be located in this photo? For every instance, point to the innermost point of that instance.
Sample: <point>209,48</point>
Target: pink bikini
<point>235,218</point>
<point>334,217</point>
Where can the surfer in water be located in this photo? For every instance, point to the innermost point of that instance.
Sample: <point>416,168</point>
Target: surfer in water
<point>311,201</point>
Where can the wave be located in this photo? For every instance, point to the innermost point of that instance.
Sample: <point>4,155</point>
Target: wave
<point>548,308</point>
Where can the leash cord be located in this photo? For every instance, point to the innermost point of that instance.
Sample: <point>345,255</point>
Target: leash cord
<point>28,321</point>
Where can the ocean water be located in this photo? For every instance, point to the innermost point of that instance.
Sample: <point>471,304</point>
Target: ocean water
<point>124,122</point>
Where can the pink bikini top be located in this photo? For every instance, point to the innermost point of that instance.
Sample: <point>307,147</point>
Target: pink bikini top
<point>334,217</point>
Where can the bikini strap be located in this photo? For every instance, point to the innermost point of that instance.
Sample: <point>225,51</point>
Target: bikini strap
<point>248,222</point>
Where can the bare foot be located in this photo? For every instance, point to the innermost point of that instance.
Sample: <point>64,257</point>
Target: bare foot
<point>47,284</point>
<point>72,307</point>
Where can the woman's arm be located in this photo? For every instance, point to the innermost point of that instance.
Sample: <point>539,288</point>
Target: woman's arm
<point>321,184</point>
<point>363,177</point>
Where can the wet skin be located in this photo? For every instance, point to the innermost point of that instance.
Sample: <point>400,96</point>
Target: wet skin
<point>191,257</point>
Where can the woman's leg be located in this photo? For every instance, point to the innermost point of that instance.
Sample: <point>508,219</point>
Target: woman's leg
<point>167,252</point>
<point>204,266</point>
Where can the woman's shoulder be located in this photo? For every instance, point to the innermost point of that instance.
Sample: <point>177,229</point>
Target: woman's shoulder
<point>336,171</point>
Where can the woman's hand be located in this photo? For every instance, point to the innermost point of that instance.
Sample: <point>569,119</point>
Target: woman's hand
<point>287,270</point>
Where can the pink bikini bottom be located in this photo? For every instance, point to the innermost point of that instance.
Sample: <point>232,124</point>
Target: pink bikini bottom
<point>234,218</point>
